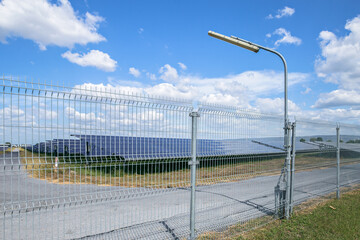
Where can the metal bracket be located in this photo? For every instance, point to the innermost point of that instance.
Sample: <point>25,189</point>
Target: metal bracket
<point>194,114</point>
<point>192,163</point>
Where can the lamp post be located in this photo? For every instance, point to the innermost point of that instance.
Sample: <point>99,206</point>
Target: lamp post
<point>255,48</point>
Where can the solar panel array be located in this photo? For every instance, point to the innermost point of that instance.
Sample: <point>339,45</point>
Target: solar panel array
<point>127,148</point>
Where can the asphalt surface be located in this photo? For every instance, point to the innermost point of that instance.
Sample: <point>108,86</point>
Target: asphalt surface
<point>37,209</point>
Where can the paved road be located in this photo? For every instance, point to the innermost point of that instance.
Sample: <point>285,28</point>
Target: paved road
<point>87,211</point>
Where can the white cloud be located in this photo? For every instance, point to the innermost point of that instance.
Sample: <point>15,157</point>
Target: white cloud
<point>80,119</point>
<point>245,87</point>
<point>307,90</point>
<point>255,83</point>
<point>335,115</point>
<point>94,58</point>
<point>171,91</point>
<point>285,12</point>
<point>339,97</point>
<point>239,90</point>
<point>276,105</point>
<point>83,117</point>
<point>151,76</point>
<point>11,113</point>
<point>47,114</point>
<point>135,72</point>
<point>130,83</point>
<point>141,30</point>
<point>221,99</point>
<point>340,57</point>
<point>326,37</point>
<point>150,115</point>
<point>168,73</point>
<point>252,90</point>
<point>182,66</point>
<point>47,24</point>
<point>339,63</point>
<point>286,37</point>
<point>27,115</point>
<point>104,90</point>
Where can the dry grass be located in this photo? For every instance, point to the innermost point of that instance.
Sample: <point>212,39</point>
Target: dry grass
<point>237,229</point>
<point>127,174</point>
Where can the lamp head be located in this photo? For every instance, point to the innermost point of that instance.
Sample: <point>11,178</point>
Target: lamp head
<point>235,41</point>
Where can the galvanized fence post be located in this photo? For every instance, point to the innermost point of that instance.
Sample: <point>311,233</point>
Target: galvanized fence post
<point>193,163</point>
<point>288,166</point>
<point>293,154</point>
<point>338,161</point>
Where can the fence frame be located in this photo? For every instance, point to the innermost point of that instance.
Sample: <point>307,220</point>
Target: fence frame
<point>338,161</point>
<point>193,163</point>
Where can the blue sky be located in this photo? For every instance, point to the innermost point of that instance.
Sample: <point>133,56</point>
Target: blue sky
<point>162,48</point>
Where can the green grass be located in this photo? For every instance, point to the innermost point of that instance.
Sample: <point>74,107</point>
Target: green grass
<point>332,219</point>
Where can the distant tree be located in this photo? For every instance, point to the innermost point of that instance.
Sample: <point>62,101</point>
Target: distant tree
<point>341,140</point>
<point>329,140</point>
<point>302,140</point>
<point>316,139</point>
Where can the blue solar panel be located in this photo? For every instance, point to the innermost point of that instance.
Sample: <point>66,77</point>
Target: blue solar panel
<point>150,147</point>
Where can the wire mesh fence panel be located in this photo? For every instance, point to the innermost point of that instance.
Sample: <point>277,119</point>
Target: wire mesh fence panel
<point>349,155</point>
<point>82,162</point>
<point>240,157</point>
<point>95,163</point>
<point>316,160</point>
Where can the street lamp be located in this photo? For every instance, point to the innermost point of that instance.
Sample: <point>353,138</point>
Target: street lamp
<point>255,48</point>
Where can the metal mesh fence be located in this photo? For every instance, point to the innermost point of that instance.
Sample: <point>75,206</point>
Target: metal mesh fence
<point>83,162</point>
<point>349,155</point>
<point>94,163</point>
<point>316,164</point>
<point>236,181</point>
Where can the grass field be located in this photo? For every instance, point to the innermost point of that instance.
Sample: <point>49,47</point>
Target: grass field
<point>329,219</point>
<point>163,173</point>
